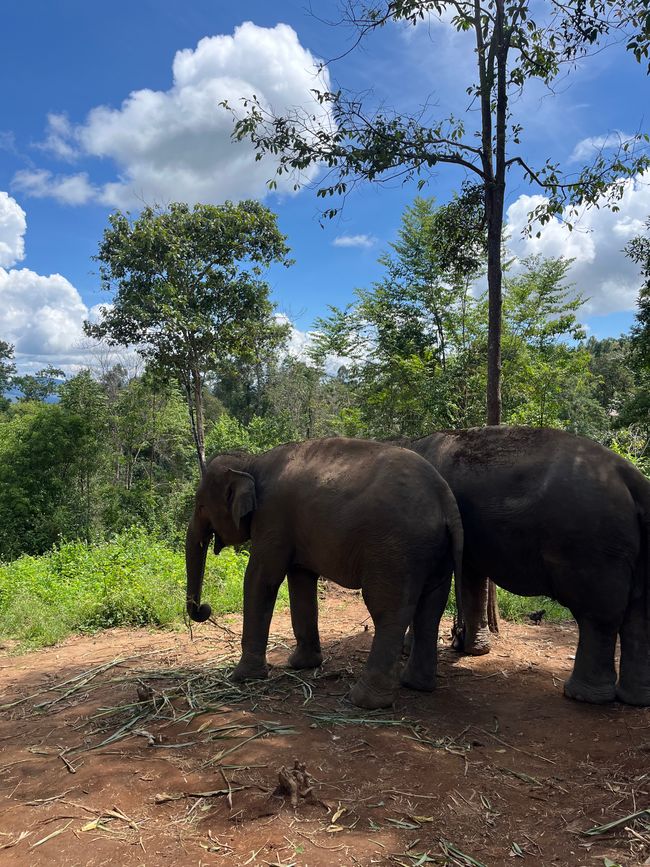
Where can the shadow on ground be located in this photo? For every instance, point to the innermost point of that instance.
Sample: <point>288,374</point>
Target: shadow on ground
<point>132,747</point>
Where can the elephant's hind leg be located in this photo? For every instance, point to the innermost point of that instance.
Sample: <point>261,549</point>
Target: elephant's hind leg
<point>420,670</point>
<point>634,676</point>
<point>391,614</point>
<point>594,676</point>
<point>303,600</point>
<point>600,591</point>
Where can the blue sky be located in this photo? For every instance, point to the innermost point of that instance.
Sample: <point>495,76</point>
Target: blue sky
<point>109,105</point>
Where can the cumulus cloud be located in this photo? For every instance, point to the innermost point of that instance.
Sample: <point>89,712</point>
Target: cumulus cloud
<point>176,144</point>
<point>587,148</point>
<point>600,271</point>
<point>59,138</point>
<point>12,228</point>
<point>365,241</point>
<point>40,315</point>
<point>68,189</point>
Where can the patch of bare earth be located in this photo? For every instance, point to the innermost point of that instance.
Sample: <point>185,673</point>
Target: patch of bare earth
<point>132,748</point>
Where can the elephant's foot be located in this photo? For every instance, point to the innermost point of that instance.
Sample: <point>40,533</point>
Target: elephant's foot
<point>372,696</point>
<point>249,669</point>
<point>305,657</point>
<point>477,645</point>
<point>587,692</point>
<point>639,696</point>
<point>412,679</point>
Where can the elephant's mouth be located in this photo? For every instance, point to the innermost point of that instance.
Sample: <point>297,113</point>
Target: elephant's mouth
<point>218,544</point>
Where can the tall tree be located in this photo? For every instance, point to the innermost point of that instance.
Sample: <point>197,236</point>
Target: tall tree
<point>7,371</point>
<point>511,49</point>
<point>83,400</point>
<point>543,357</point>
<point>638,251</point>
<point>414,339</point>
<point>188,293</point>
<point>638,407</point>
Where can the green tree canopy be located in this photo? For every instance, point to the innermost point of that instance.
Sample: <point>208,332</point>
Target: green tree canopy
<point>415,337</point>
<point>416,340</point>
<point>40,385</point>
<point>548,381</point>
<point>187,290</point>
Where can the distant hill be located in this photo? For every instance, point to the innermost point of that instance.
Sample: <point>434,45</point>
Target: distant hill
<point>14,393</point>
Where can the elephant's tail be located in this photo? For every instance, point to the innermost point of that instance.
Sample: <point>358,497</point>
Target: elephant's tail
<point>645,549</point>
<point>455,528</point>
<point>639,487</point>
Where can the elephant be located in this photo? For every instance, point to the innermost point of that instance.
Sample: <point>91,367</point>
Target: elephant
<point>549,513</point>
<point>364,514</point>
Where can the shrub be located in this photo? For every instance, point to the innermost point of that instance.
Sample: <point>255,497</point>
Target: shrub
<point>131,580</point>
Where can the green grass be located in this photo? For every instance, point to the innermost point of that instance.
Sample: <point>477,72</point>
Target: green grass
<point>515,608</point>
<point>136,580</point>
<point>131,580</point>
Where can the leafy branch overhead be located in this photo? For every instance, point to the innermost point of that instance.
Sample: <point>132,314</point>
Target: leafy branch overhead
<point>512,48</point>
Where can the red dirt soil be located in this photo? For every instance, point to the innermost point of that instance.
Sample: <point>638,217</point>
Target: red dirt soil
<point>493,768</point>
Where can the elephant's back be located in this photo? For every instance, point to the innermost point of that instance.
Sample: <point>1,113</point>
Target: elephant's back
<point>537,501</point>
<point>362,496</point>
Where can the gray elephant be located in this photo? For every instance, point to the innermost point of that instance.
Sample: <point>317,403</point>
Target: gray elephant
<point>548,513</point>
<point>366,515</point>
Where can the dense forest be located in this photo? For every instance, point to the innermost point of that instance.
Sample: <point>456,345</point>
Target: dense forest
<point>192,358</point>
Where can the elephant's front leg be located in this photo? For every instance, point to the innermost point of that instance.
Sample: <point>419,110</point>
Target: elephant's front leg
<point>261,584</point>
<point>303,599</point>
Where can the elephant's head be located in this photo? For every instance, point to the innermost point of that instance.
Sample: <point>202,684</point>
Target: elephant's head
<point>223,508</point>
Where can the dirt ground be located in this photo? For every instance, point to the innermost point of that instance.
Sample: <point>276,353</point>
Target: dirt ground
<point>132,748</point>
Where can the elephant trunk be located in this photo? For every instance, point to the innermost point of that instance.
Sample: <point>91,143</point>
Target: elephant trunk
<point>196,550</point>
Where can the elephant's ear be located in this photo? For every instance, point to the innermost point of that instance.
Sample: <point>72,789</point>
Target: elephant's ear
<point>241,495</point>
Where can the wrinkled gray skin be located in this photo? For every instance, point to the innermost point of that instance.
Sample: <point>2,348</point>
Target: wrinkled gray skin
<point>549,513</point>
<point>366,515</point>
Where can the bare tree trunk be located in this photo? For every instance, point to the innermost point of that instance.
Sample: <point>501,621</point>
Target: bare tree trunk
<point>494,202</point>
<point>492,62</point>
<point>198,416</point>
<point>194,397</point>
<point>494,214</point>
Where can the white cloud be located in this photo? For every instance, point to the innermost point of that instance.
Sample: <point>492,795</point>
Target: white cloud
<point>12,228</point>
<point>176,144</point>
<point>68,189</point>
<point>60,137</point>
<point>587,149</point>
<point>601,270</point>
<point>354,241</point>
<point>40,315</point>
<point>299,343</point>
